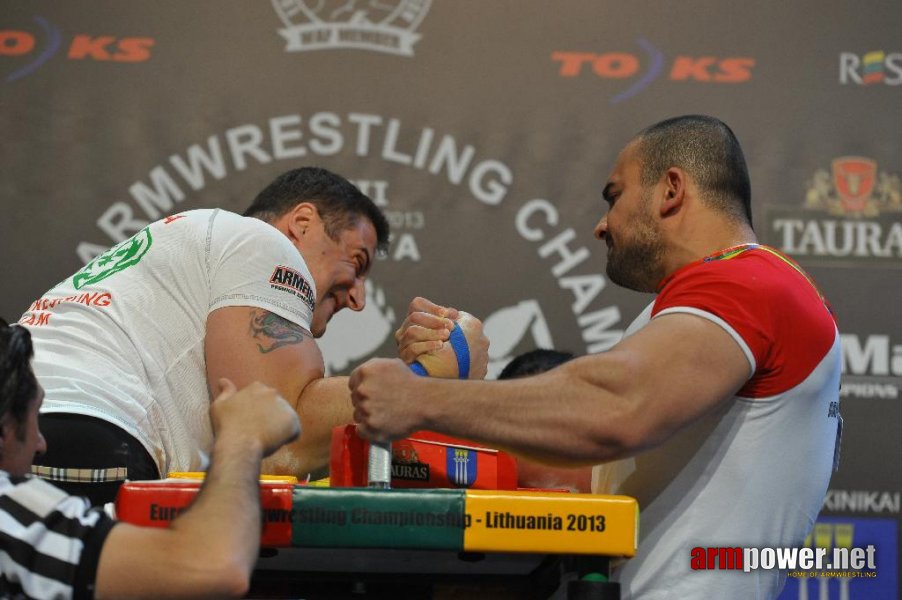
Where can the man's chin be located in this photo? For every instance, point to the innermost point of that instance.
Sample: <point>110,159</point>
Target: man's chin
<point>319,324</point>
<point>320,321</point>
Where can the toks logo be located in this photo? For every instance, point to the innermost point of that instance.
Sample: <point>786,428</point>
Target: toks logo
<point>859,209</point>
<point>621,65</point>
<point>40,45</point>
<point>385,26</point>
<point>872,68</point>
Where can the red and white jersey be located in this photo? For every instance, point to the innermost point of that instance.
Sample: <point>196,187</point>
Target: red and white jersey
<point>754,472</point>
<point>123,339</point>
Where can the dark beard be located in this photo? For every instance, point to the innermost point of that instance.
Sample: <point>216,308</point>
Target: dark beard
<point>638,266</point>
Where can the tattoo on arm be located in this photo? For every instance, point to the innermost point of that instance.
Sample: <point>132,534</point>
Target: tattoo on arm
<point>272,331</point>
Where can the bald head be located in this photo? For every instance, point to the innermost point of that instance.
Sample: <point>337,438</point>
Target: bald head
<point>708,151</point>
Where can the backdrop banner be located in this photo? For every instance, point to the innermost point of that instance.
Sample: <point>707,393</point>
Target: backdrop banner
<point>485,131</point>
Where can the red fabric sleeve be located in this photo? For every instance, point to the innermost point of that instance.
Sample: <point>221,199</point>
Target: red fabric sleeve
<point>772,307</point>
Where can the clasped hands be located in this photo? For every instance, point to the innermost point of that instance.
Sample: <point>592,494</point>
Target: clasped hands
<point>388,397</point>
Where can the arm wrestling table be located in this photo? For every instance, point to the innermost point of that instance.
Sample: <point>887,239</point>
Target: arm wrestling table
<point>442,519</point>
<point>415,543</point>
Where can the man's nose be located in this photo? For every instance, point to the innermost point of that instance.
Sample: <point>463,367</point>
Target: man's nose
<point>41,448</point>
<point>601,229</point>
<point>357,295</point>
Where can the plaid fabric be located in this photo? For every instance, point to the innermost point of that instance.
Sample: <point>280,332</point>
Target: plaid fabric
<point>73,475</point>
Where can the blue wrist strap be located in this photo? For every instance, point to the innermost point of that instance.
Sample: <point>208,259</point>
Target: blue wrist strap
<point>461,351</point>
<point>419,369</point>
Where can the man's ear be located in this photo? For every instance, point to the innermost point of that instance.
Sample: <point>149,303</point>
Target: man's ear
<point>300,218</point>
<point>675,182</point>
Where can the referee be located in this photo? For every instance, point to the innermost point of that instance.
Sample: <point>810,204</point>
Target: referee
<point>53,545</point>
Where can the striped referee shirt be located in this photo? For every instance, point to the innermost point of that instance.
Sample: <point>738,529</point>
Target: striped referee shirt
<point>50,542</point>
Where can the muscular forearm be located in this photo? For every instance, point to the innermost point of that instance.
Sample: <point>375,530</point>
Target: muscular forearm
<point>225,517</point>
<point>592,409</point>
<point>323,405</point>
<point>555,418</point>
<point>208,552</point>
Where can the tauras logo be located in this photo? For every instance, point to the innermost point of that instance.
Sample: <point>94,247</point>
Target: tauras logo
<point>385,26</point>
<point>406,463</point>
<point>854,188</point>
<point>410,472</point>
<point>850,213</point>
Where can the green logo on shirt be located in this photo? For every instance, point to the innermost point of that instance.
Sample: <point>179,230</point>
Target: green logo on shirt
<point>119,257</point>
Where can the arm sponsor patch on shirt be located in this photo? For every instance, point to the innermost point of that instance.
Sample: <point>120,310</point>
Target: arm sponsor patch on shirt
<point>289,280</point>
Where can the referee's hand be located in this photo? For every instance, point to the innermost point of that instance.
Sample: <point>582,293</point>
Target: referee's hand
<point>256,413</point>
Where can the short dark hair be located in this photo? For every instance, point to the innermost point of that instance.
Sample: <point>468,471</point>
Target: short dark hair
<point>18,385</point>
<point>709,151</point>
<point>339,202</point>
<point>534,362</point>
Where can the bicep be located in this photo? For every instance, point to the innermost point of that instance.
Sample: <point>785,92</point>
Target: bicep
<point>683,366</point>
<point>247,344</point>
